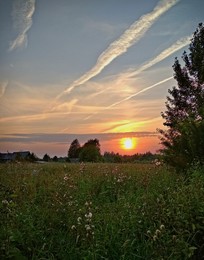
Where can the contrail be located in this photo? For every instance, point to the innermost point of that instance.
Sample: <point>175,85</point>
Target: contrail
<point>22,19</point>
<point>139,92</point>
<point>131,96</point>
<point>133,34</point>
<point>3,86</point>
<point>163,55</point>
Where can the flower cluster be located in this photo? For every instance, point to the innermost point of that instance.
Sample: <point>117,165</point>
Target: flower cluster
<point>157,162</point>
<point>155,236</point>
<point>88,220</point>
<point>84,227</point>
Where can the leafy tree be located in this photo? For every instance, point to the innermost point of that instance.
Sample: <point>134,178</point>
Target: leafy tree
<point>55,159</point>
<point>46,158</point>
<point>90,151</point>
<point>32,157</point>
<point>183,141</point>
<point>74,149</point>
<point>112,157</point>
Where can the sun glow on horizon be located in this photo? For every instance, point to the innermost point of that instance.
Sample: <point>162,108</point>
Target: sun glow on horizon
<point>128,143</point>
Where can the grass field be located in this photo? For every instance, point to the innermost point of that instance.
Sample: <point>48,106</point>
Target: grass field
<point>100,211</point>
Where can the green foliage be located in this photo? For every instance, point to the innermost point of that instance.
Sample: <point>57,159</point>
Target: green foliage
<point>46,158</point>
<point>74,149</point>
<point>100,211</point>
<point>90,152</point>
<point>32,157</point>
<point>184,117</point>
<point>55,159</point>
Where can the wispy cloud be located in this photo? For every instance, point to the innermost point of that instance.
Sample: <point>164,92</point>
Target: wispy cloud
<point>3,86</point>
<point>22,21</point>
<point>139,92</point>
<point>129,126</point>
<point>130,96</point>
<point>163,55</point>
<point>133,34</point>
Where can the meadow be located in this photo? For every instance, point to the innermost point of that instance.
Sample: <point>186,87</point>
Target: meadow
<point>100,211</point>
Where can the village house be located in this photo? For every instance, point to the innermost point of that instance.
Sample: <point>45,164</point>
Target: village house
<point>8,157</point>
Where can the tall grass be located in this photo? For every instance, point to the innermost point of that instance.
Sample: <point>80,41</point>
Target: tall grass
<point>100,211</point>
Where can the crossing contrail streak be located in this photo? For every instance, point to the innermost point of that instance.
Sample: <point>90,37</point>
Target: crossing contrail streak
<point>131,96</point>
<point>163,55</point>
<point>139,92</point>
<point>133,34</point>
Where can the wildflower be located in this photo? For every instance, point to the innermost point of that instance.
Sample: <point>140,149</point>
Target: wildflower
<point>5,202</point>
<point>154,237</point>
<point>158,232</point>
<point>73,227</point>
<point>87,227</point>
<point>90,215</point>
<point>162,227</point>
<point>79,220</point>
<point>148,232</point>
<point>65,178</point>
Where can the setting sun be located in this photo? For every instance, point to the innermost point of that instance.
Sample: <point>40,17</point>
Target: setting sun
<point>128,143</point>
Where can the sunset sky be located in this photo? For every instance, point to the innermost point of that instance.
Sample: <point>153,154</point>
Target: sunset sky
<point>88,69</point>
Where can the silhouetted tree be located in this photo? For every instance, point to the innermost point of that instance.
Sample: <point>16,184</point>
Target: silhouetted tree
<point>46,158</point>
<point>74,149</point>
<point>183,141</point>
<point>32,157</point>
<point>55,159</point>
<point>90,152</point>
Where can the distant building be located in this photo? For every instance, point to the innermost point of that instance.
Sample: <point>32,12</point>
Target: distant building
<point>8,157</point>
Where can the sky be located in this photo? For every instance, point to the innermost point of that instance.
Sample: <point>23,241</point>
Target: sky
<point>89,69</point>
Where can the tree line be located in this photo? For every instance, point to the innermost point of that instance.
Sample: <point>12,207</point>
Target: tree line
<point>183,137</point>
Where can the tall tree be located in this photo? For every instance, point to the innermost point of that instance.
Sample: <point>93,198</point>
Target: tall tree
<point>90,151</point>
<point>74,149</point>
<point>46,158</point>
<point>184,117</point>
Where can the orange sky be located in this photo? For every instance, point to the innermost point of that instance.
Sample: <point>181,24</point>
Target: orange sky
<point>89,70</point>
<point>59,144</point>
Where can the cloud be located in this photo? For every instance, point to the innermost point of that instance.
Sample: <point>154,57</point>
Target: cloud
<point>67,138</point>
<point>130,96</point>
<point>126,126</point>
<point>3,86</point>
<point>66,106</point>
<point>133,34</point>
<point>139,92</point>
<point>22,21</point>
<point>163,55</point>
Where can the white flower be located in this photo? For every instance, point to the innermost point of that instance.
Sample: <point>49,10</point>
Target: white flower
<point>90,215</point>
<point>5,202</point>
<point>79,220</point>
<point>158,232</point>
<point>65,178</point>
<point>87,227</point>
<point>73,227</point>
<point>162,227</point>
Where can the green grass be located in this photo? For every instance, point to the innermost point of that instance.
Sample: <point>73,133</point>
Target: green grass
<point>100,211</point>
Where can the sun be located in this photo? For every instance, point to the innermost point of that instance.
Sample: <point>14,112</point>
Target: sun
<point>128,143</point>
